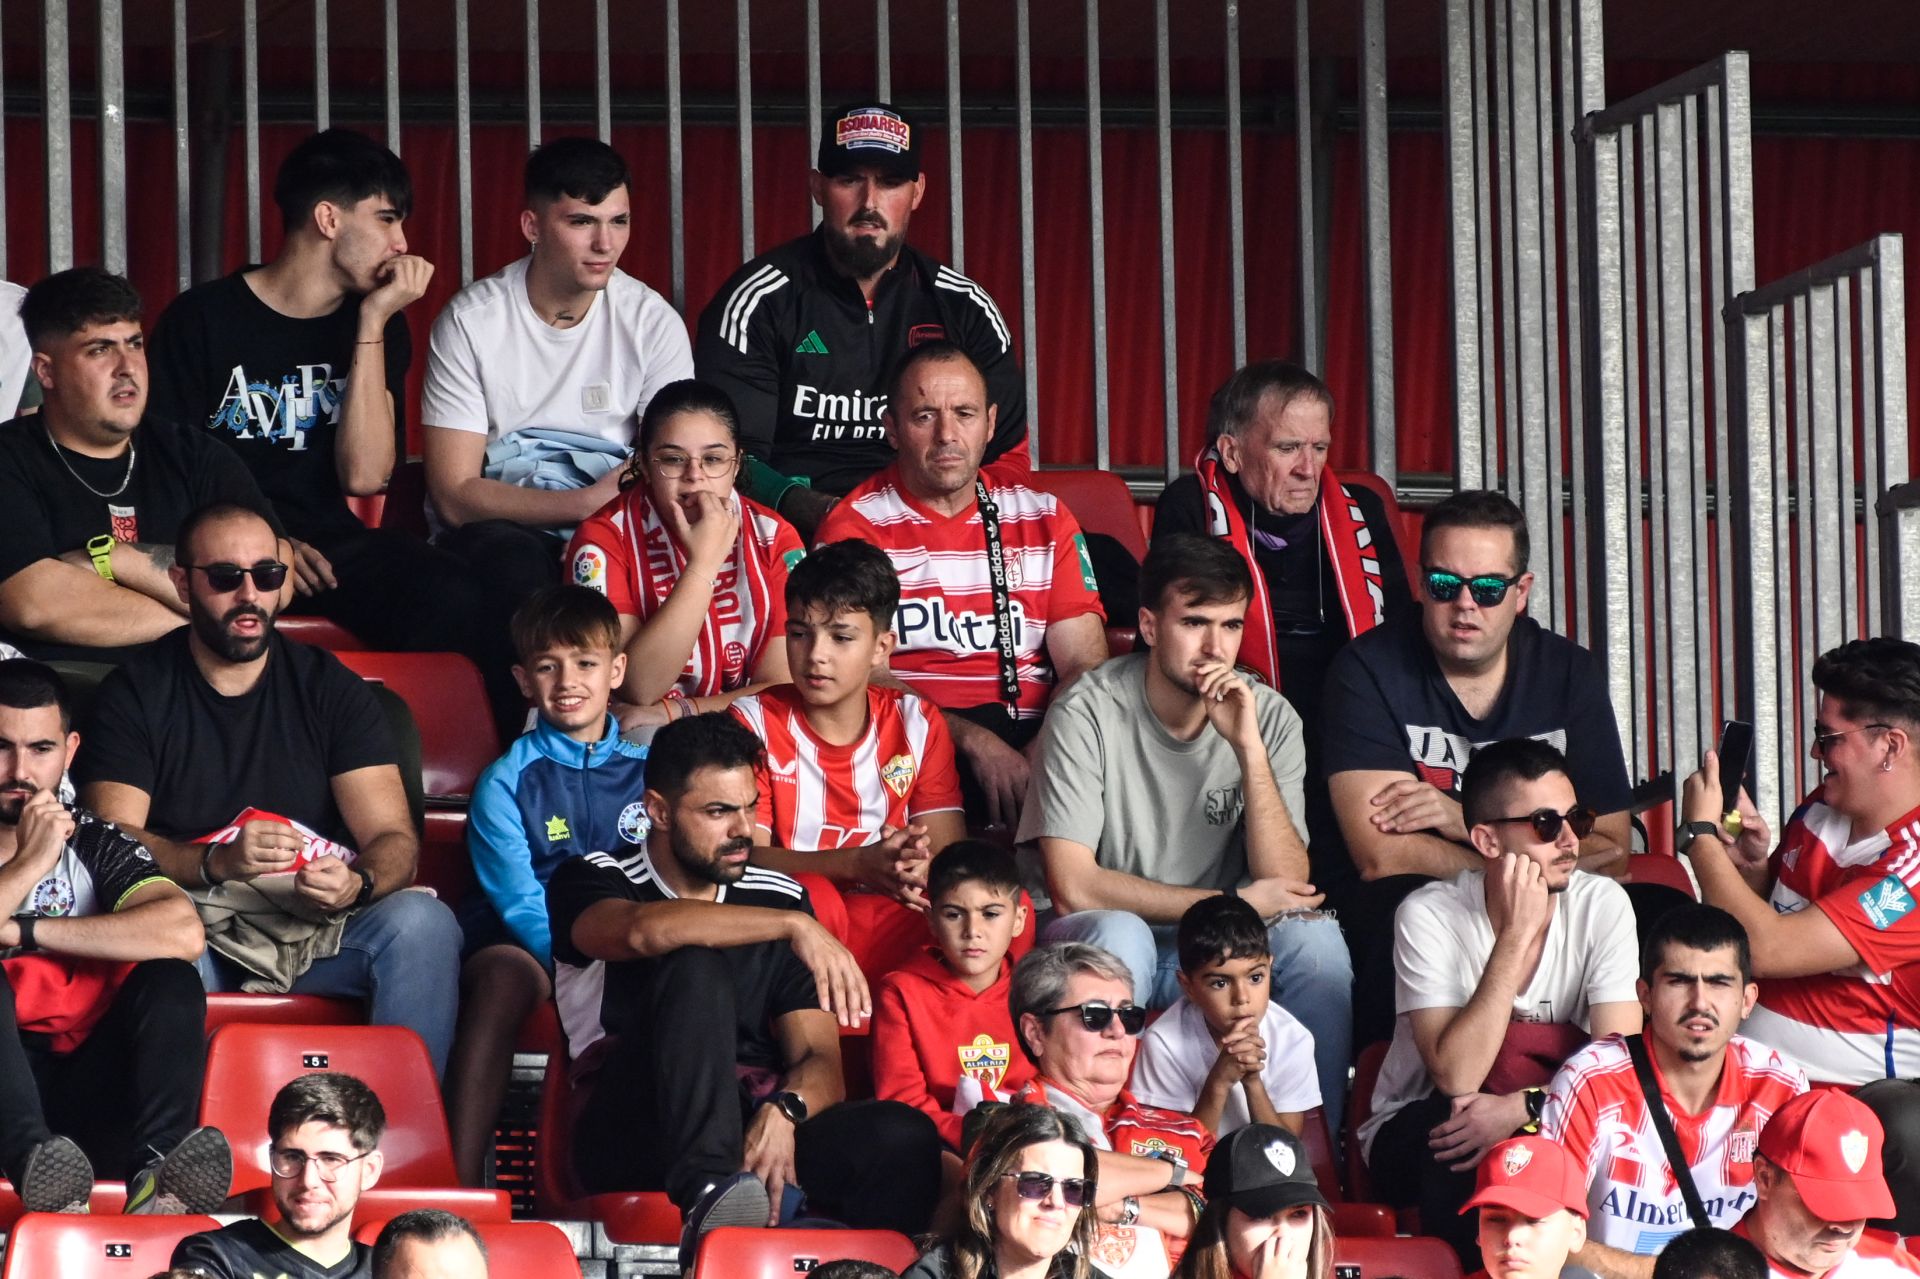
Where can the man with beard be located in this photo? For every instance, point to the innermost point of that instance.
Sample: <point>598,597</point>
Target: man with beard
<point>102,1018</point>
<point>803,337</point>
<point>1717,1089</point>
<point>1500,974</point>
<point>263,776</point>
<point>702,1003</point>
<point>1165,777</point>
<point>324,1133</point>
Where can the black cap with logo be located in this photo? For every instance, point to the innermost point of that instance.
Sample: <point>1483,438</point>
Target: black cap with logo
<point>1262,1170</point>
<point>869,134</point>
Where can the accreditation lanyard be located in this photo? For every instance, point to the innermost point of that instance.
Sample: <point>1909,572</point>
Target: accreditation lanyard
<point>1002,603</point>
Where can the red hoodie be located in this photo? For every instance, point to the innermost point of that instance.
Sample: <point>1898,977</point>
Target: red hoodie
<point>929,1029</point>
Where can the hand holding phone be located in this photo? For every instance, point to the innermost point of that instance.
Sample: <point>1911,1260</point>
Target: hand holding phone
<point>1736,751</point>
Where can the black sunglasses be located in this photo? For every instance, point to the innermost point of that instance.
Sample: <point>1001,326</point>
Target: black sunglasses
<point>1444,587</point>
<point>1097,1014</point>
<point>267,575</point>
<point>1546,822</point>
<point>1075,1192</point>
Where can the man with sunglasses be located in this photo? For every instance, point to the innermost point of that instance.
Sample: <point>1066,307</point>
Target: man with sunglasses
<point>1408,703</point>
<point>1501,973</point>
<point>324,1134</point>
<point>262,775</point>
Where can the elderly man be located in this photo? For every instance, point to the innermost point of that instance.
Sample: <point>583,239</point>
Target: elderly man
<point>998,609</point>
<point>1073,1009</point>
<point>1532,1213</point>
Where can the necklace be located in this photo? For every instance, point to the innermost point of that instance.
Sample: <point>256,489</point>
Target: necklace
<point>133,455</point>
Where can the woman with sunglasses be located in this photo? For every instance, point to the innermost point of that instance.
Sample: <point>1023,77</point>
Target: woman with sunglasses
<point>1029,1186</point>
<point>1265,1217</point>
<point>697,571</point>
<point>1074,1011</point>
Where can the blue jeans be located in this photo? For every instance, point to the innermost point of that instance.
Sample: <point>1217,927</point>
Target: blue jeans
<point>1312,980</point>
<point>401,954</point>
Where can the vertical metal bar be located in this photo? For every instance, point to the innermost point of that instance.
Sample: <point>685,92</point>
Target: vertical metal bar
<point>1383,456</point>
<point>1800,414</point>
<point>1721,482</point>
<point>1501,113</point>
<point>1774,598</point>
<point>1029,302</point>
<point>532,40</point>
<point>1890,351</point>
<point>1827,513</point>
<point>1612,444</point>
<point>743,117</point>
<point>1657,426</point>
<point>1583,89</point>
<point>676,160</point>
<point>1097,212</point>
<point>1871,468</point>
<point>391,45</point>
<point>1751,694</point>
<point>1850,626</point>
<point>113,139</point>
<point>1236,191</point>
<point>882,51</point>
<point>250,59</point>
<point>1169,310</point>
<point>1470,461</point>
<point>1626,582</point>
<point>1900,511</point>
<point>1530,411</point>
<point>1489,423</point>
<point>813,89</point>
<point>1673,509</point>
<point>55,80</point>
<point>463,135</point>
<point>602,73</point>
<point>1554,604</point>
<point>182,170</point>
<point>1313,349</point>
<point>956,202</point>
<point>3,162</point>
<point>322,82</point>
<point>1699,586</point>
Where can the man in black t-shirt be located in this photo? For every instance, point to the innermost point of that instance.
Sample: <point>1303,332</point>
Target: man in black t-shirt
<point>110,1056</point>
<point>93,489</point>
<point>263,776</point>
<point>701,996</point>
<point>323,1131</point>
<point>1408,703</point>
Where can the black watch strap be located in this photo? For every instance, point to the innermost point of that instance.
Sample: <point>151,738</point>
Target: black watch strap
<point>1694,830</point>
<point>790,1104</point>
<point>366,886</point>
<point>26,922</point>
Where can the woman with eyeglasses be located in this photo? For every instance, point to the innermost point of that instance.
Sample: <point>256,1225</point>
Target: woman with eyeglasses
<point>1030,1179</point>
<point>697,571</point>
<point>1265,1217</point>
<point>1074,1011</point>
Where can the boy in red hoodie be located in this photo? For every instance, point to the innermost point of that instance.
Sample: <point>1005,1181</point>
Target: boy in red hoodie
<point>941,1024</point>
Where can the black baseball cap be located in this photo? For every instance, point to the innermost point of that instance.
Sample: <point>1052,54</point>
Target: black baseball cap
<point>1262,1170</point>
<point>872,133</point>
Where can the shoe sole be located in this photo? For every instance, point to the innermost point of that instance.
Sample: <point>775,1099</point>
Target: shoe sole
<point>194,1177</point>
<point>745,1203</point>
<point>58,1178</point>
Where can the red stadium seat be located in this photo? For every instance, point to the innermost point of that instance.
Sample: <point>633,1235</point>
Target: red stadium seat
<point>630,1217</point>
<point>735,1253</point>
<point>1100,501</point>
<point>1408,1257</point>
<point>1364,1221</point>
<point>319,632</point>
<point>405,507</point>
<point>1320,1157</point>
<point>530,1248</point>
<point>43,1245</point>
<point>227,1008</point>
<point>1659,868</point>
<point>1366,1073</point>
<point>107,1199</point>
<point>248,1064</point>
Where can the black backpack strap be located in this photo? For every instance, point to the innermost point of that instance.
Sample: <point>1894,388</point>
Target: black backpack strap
<point>1663,1124</point>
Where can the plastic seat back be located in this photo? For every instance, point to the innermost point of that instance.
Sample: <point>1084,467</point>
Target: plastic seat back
<point>1403,1257</point>
<point>735,1253</point>
<point>449,704</point>
<point>1100,501</point>
<point>43,1245</point>
<point>530,1248</point>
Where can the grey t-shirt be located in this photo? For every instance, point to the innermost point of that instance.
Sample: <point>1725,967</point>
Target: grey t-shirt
<point>1110,776</point>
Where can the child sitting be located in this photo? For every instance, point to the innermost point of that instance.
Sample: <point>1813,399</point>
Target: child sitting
<point>1223,1052</point>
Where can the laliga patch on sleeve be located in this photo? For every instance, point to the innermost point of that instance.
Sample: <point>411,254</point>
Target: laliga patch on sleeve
<point>879,130</point>
<point>590,568</point>
<point>793,557</point>
<point>1887,902</point>
<point>1086,562</point>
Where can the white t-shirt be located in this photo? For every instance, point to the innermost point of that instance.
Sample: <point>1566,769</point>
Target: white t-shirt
<point>1442,940</point>
<point>16,357</point>
<point>495,367</point>
<point>1178,1051</point>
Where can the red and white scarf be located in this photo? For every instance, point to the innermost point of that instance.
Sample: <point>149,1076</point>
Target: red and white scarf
<point>739,620</point>
<point>1350,552</point>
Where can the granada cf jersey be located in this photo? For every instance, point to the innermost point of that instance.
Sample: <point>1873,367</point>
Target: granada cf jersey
<point>816,795</point>
<point>1596,1109</point>
<point>1863,1022</point>
<point>949,643</point>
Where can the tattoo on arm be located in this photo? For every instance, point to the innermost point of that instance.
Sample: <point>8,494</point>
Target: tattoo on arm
<point>159,552</point>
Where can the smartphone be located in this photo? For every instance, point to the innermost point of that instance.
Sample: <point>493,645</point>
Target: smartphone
<point>1736,752</point>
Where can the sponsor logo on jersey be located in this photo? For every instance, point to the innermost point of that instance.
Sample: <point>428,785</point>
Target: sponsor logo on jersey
<point>985,1060</point>
<point>897,773</point>
<point>1152,1147</point>
<point>633,823</point>
<point>931,623</point>
<point>1887,903</point>
<point>590,567</point>
<point>557,829</point>
<point>793,557</point>
<point>921,334</point>
<point>1741,1144</point>
<point>836,416</point>
<point>124,523</point>
<point>811,344</point>
<point>879,130</point>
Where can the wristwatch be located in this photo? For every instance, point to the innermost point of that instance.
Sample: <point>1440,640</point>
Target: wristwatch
<point>1180,1168</point>
<point>366,887</point>
<point>100,550</point>
<point>1692,831</point>
<point>1536,1105</point>
<point>25,924</point>
<point>1129,1211</point>
<point>790,1104</point>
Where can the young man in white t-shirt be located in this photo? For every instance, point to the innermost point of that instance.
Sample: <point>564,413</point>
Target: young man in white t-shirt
<point>538,374</point>
<point>1495,969</point>
<point>1225,1053</point>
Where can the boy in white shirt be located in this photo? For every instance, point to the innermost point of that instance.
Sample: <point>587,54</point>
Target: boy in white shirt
<point>1224,1052</point>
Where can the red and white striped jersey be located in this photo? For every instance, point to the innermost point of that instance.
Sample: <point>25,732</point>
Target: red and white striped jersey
<point>1869,1259</point>
<point>1863,1022</point>
<point>948,649</point>
<point>815,795</point>
<point>1596,1110</point>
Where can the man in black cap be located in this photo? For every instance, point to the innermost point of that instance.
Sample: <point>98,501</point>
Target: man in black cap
<point>804,336</point>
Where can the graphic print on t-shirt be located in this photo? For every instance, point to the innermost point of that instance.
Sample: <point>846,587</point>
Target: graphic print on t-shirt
<point>306,398</point>
<point>1440,757</point>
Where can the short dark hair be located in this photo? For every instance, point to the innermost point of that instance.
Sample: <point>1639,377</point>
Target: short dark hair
<point>1208,571</point>
<point>1876,678</point>
<point>27,685</point>
<point>846,577</point>
<point>585,169</point>
<point>564,616</point>
<point>1493,767</point>
<point>684,747</point>
<point>68,301</point>
<point>853,1268</point>
<point>1218,928</point>
<point>1697,927</point>
<point>937,351</point>
<point>1236,404</point>
<point>339,166</point>
<point>1709,1253</point>
<point>688,395</point>
<point>427,1225</point>
<point>972,861</point>
<point>1478,508</point>
<point>331,1098</point>
<point>211,513</point>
